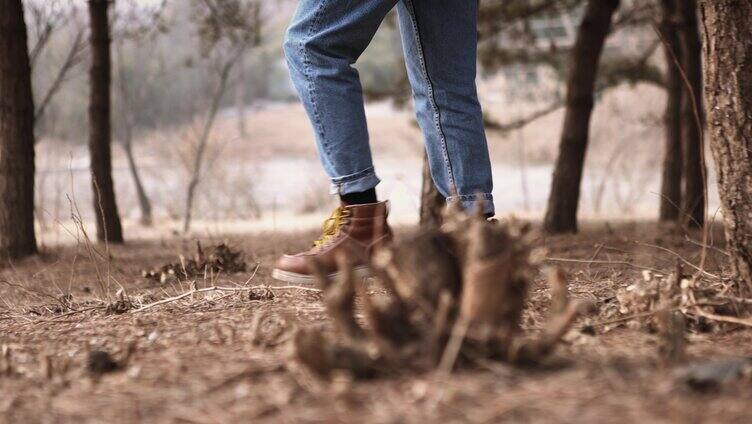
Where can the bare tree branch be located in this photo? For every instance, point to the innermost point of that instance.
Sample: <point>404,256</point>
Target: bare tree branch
<point>46,18</point>
<point>203,141</point>
<point>72,59</point>
<point>632,71</point>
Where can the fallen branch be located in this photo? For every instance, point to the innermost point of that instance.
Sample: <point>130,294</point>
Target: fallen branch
<point>301,288</point>
<point>631,317</point>
<point>723,318</point>
<point>708,246</point>
<point>221,289</point>
<point>602,262</point>
<point>681,258</point>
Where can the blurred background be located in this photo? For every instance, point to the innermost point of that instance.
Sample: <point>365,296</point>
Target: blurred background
<point>205,125</point>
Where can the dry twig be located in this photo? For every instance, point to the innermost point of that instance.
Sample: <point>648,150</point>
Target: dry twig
<point>219,289</point>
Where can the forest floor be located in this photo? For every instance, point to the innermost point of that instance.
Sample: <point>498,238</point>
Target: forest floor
<point>224,356</point>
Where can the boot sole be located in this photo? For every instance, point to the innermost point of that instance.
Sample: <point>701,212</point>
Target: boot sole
<point>360,272</point>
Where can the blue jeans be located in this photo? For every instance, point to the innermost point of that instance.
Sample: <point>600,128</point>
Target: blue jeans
<point>439,39</point>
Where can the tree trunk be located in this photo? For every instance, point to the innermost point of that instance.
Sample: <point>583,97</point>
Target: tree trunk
<point>431,201</point>
<point>143,199</point>
<point>203,141</point>
<point>561,215</point>
<point>692,116</point>
<point>105,206</point>
<point>240,99</point>
<point>16,136</point>
<point>728,85</point>
<point>671,186</point>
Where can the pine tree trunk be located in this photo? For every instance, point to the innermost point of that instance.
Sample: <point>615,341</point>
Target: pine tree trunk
<point>105,206</point>
<point>728,93</point>
<point>431,201</point>
<point>671,185</point>
<point>16,136</point>
<point>692,116</point>
<point>561,215</point>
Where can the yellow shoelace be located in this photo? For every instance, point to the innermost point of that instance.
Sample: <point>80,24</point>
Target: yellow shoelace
<point>331,226</point>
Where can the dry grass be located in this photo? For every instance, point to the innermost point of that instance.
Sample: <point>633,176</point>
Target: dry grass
<point>223,356</point>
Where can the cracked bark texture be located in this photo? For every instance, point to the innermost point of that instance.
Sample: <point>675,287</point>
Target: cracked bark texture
<point>727,57</point>
<point>16,136</point>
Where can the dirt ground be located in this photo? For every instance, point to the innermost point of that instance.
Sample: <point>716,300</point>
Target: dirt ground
<point>224,356</point>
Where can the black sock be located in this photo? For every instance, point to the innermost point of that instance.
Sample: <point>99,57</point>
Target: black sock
<point>360,198</point>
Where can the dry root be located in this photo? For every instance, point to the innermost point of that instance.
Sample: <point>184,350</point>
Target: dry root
<point>674,303</point>
<point>454,294</point>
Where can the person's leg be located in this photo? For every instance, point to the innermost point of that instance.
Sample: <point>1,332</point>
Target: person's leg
<point>440,44</point>
<point>325,39</point>
<point>323,42</point>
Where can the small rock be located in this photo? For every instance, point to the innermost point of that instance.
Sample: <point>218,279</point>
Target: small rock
<point>710,375</point>
<point>260,293</point>
<point>119,307</point>
<point>134,372</point>
<point>588,330</point>
<point>100,362</point>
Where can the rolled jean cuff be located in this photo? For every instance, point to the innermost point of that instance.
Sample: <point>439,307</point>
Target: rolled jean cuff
<point>355,183</point>
<point>468,202</point>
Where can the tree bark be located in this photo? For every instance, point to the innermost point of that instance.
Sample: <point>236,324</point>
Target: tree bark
<point>100,127</point>
<point>563,201</point>
<point>671,185</point>
<point>431,201</point>
<point>17,237</point>
<point>728,89</point>
<point>692,116</point>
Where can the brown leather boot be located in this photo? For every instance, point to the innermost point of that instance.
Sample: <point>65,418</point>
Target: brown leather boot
<point>360,227</point>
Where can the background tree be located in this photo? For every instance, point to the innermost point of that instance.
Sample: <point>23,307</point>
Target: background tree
<point>561,215</point>
<point>227,30</point>
<point>671,179</point>
<point>126,140</point>
<point>17,237</point>
<point>46,19</point>
<point>693,201</point>
<point>133,24</point>
<point>728,93</point>
<point>516,33</point>
<point>109,228</point>
<point>240,94</point>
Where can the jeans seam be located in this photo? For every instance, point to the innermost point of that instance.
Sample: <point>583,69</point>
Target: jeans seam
<point>309,79</point>
<point>472,199</point>
<point>338,183</point>
<point>487,196</point>
<point>355,176</point>
<point>431,96</point>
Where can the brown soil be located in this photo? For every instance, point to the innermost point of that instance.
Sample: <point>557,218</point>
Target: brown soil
<point>221,357</point>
